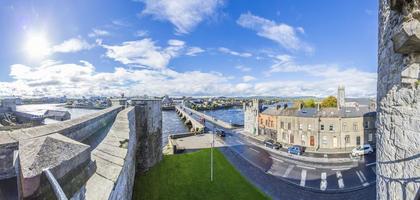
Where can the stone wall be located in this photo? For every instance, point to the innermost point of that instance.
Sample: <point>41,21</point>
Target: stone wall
<point>149,132</point>
<point>77,129</point>
<point>251,112</point>
<point>115,161</point>
<point>398,120</point>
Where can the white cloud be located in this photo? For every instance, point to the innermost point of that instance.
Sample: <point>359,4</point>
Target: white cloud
<point>243,68</point>
<point>98,32</point>
<point>234,53</point>
<point>248,78</point>
<point>143,53</point>
<point>141,33</point>
<point>72,45</point>
<point>54,78</point>
<point>283,34</point>
<point>185,15</point>
<point>193,51</point>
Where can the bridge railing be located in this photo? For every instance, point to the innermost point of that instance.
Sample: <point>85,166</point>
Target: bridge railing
<point>58,191</point>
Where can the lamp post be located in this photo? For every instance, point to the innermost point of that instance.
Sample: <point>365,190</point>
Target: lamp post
<point>211,157</point>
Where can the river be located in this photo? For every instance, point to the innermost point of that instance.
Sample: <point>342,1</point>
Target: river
<point>171,122</point>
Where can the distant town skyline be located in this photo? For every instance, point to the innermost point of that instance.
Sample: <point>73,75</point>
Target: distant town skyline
<point>188,48</point>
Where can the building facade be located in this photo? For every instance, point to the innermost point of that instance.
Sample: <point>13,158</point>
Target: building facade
<point>251,112</point>
<point>328,128</point>
<point>341,128</point>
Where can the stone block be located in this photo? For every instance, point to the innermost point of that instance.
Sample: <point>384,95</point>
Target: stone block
<point>55,152</point>
<point>407,40</point>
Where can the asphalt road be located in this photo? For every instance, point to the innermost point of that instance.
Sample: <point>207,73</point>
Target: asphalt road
<point>282,175</point>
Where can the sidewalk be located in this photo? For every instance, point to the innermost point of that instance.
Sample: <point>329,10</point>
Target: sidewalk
<point>308,156</point>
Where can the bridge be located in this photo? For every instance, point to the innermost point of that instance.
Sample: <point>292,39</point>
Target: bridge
<point>95,156</point>
<point>193,123</point>
<point>208,118</point>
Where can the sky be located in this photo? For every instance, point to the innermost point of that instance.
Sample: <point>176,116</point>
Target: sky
<point>188,47</point>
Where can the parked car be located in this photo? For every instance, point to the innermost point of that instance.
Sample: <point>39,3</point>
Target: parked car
<point>220,133</point>
<point>295,149</point>
<point>362,150</point>
<point>272,144</point>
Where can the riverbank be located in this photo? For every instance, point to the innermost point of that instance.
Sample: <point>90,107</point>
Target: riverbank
<point>187,176</point>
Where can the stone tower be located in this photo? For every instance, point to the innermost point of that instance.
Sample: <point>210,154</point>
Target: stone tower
<point>398,100</point>
<point>341,95</point>
<point>251,112</point>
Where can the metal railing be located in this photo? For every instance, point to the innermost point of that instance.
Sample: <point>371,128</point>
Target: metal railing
<point>58,191</point>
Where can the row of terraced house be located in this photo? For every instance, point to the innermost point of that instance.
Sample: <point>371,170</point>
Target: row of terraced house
<point>350,124</point>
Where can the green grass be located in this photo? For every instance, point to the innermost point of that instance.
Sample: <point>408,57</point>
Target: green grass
<point>187,176</point>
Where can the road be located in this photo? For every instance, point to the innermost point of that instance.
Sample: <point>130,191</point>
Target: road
<point>355,180</point>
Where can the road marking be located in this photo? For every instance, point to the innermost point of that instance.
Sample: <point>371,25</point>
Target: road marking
<point>340,179</point>
<point>365,184</point>
<point>374,163</point>
<point>323,185</point>
<point>287,172</point>
<point>274,158</point>
<point>363,176</point>
<point>239,142</point>
<point>254,149</point>
<point>374,169</point>
<point>303,178</point>
<point>305,167</point>
<point>340,169</point>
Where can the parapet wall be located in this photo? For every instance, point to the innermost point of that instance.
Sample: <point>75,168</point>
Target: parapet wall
<point>77,129</point>
<point>115,161</point>
<point>211,119</point>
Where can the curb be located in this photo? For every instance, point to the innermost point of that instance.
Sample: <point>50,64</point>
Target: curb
<point>311,189</point>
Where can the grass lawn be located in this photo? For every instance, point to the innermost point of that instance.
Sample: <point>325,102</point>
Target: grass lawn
<point>187,176</point>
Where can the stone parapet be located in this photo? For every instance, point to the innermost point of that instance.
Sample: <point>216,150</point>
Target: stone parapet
<point>77,129</point>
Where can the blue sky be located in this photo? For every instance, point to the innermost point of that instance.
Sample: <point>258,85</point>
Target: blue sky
<point>188,47</point>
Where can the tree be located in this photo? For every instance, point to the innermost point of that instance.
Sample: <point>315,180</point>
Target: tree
<point>330,101</point>
<point>309,103</point>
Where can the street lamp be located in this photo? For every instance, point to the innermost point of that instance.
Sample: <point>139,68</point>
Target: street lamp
<point>211,157</point>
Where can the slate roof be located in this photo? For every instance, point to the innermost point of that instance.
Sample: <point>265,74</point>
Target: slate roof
<point>323,112</point>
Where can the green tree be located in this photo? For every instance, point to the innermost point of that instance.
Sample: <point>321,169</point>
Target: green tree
<point>309,103</point>
<point>330,101</point>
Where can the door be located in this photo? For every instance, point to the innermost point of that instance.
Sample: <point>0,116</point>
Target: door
<point>312,141</point>
<point>292,139</point>
<point>335,142</point>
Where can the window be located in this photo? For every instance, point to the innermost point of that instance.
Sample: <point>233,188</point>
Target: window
<point>262,122</point>
<point>347,139</point>
<point>292,139</point>
<point>284,136</point>
<point>370,137</point>
<point>322,127</point>
<point>331,127</point>
<point>300,126</point>
<point>303,140</point>
<point>266,122</point>
<point>366,124</point>
<point>289,126</point>
<point>355,126</point>
<point>271,124</point>
<point>358,140</point>
<point>344,126</point>
<point>324,139</point>
<point>281,124</point>
<point>309,127</point>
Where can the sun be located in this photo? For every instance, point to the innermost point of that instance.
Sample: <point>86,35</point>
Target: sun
<point>37,45</point>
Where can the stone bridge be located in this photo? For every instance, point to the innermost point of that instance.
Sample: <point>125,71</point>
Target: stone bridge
<point>211,119</point>
<point>92,157</point>
<point>193,123</point>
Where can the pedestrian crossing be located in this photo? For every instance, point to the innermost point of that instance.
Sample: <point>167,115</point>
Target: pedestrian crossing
<point>322,179</point>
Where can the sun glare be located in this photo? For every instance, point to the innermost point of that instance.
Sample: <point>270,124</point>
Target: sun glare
<point>36,45</point>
